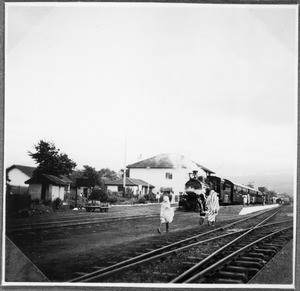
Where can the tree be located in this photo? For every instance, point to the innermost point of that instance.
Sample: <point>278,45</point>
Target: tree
<point>107,175</point>
<point>50,160</point>
<point>272,193</point>
<point>91,173</point>
<point>75,174</point>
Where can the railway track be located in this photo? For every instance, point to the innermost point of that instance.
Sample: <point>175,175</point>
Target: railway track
<point>181,260</point>
<point>70,223</point>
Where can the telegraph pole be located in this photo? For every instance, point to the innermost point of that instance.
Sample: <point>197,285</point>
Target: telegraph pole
<point>124,174</point>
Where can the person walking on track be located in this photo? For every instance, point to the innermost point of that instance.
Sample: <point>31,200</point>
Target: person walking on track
<point>166,214</point>
<point>212,203</point>
<point>201,203</point>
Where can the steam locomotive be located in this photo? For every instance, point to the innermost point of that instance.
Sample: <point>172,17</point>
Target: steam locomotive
<point>229,193</point>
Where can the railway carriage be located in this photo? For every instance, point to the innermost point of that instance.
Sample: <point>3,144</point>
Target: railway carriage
<point>287,200</point>
<point>230,193</point>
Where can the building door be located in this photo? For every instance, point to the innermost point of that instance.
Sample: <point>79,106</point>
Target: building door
<point>43,194</point>
<point>85,192</point>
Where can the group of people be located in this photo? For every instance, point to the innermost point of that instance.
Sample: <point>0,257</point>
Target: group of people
<point>208,203</point>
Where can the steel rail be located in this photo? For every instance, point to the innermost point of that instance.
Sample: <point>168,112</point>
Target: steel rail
<point>155,254</point>
<point>231,256</point>
<point>110,271</point>
<point>68,223</point>
<point>214,254</point>
<point>66,220</point>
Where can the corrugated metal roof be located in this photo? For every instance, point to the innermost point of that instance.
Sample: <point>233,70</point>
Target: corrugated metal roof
<point>66,179</point>
<point>168,161</point>
<point>243,186</point>
<point>46,178</point>
<point>55,180</point>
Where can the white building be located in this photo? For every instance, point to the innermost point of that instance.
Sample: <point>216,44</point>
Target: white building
<point>47,187</point>
<point>167,172</point>
<point>18,174</point>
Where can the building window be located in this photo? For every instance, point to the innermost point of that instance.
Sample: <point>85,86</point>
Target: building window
<point>169,176</point>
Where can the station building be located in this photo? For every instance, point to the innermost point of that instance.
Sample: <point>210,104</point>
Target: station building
<point>168,173</point>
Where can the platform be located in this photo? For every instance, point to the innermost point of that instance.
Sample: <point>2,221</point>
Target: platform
<point>250,209</point>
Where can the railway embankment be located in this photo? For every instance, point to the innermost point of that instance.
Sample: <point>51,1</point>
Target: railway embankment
<point>18,268</point>
<point>279,270</point>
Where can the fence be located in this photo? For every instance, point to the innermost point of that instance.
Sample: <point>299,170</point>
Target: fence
<point>20,190</point>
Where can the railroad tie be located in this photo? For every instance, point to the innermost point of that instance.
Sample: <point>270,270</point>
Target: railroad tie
<point>247,264</point>
<point>196,258</point>
<point>111,262</point>
<point>139,253</point>
<point>275,246</point>
<point>279,241</point>
<point>239,269</point>
<point>266,251</point>
<point>80,274</point>
<point>149,250</point>
<point>165,274</point>
<point>232,275</point>
<point>97,267</point>
<point>257,255</point>
<point>270,247</point>
<point>227,281</point>
<point>254,259</point>
<point>188,263</point>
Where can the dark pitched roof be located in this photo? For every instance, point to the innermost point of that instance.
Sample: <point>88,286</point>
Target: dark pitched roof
<point>25,169</point>
<point>46,178</point>
<point>129,182</point>
<point>168,161</point>
<point>66,179</point>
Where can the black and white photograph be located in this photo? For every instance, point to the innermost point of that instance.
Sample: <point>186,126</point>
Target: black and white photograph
<point>149,144</point>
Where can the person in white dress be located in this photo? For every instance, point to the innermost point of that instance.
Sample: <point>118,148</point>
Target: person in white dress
<point>166,214</point>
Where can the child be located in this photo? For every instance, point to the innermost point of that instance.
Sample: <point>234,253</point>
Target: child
<point>166,214</point>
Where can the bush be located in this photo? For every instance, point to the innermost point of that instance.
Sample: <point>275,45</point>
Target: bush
<point>98,194</point>
<point>47,202</point>
<point>150,197</point>
<point>141,200</point>
<point>128,193</point>
<point>16,203</point>
<point>112,199</point>
<point>71,203</point>
<point>56,203</point>
<point>36,201</point>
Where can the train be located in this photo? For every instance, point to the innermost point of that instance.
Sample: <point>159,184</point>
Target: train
<point>286,200</point>
<point>230,193</point>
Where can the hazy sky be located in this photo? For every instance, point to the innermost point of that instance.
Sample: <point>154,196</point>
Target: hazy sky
<point>216,83</point>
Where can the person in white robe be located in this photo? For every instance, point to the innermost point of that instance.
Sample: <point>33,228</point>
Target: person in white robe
<point>166,214</point>
<point>212,204</point>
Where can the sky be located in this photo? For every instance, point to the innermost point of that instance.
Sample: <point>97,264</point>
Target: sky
<point>108,82</point>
